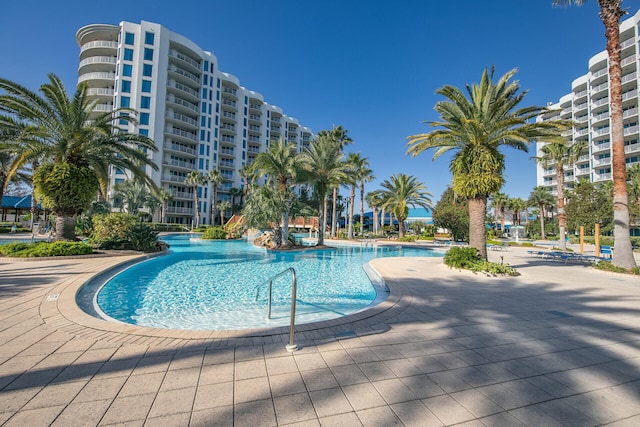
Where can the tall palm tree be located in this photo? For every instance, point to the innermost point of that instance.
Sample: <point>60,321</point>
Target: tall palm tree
<point>476,128</point>
<point>339,137</point>
<point>542,198</point>
<point>246,172</point>
<point>562,154</point>
<point>364,174</point>
<point>236,192</point>
<point>610,14</point>
<point>354,162</point>
<point>215,178</point>
<point>164,197</point>
<point>375,200</point>
<point>402,191</point>
<point>324,167</point>
<point>133,195</point>
<point>501,200</point>
<point>281,164</point>
<point>74,145</point>
<point>194,179</point>
<point>517,206</point>
<point>223,206</point>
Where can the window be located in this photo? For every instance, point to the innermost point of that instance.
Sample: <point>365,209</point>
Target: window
<point>147,70</point>
<point>128,54</point>
<point>129,38</point>
<point>145,102</point>
<point>148,54</point>
<point>127,70</point>
<point>146,86</point>
<point>125,102</point>
<point>126,86</point>
<point>144,132</point>
<point>123,121</point>
<point>204,78</point>
<point>149,38</point>
<point>204,93</point>
<point>144,118</point>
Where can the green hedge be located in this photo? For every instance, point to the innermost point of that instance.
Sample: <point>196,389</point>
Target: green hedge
<point>467,258</point>
<point>44,249</point>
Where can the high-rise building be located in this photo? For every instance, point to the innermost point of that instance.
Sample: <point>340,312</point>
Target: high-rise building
<point>199,117</point>
<point>588,106</point>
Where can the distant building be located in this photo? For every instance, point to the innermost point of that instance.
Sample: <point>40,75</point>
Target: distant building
<point>588,106</point>
<point>200,117</point>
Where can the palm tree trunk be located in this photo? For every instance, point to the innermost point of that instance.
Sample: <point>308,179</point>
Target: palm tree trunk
<point>285,227</point>
<point>375,221</point>
<point>195,197</point>
<point>361,208</point>
<point>477,229</point>
<point>382,213</point>
<point>352,198</point>
<point>562,216</point>
<point>400,227</point>
<point>213,204</point>
<point>34,204</point>
<point>65,228</point>
<point>542,231</point>
<point>322,222</point>
<point>610,13</point>
<point>334,214</point>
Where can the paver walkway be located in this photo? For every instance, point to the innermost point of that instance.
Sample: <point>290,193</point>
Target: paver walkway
<point>558,345</point>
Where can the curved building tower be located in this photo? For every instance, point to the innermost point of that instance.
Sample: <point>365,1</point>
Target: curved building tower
<point>199,117</point>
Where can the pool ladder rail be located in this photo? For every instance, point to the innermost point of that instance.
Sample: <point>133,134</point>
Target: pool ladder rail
<point>294,285</point>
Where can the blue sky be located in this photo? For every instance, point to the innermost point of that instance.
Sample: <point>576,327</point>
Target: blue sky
<point>370,66</point>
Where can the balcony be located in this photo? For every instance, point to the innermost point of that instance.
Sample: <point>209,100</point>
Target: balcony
<point>254,138</point>
<point>226,152</point>
<point>582,119</point>
<point>99,44</point>
<point>629,94</point>
<point>580,94</point>
<point>601,72</point>
<point>184,89</point>
<point>179,164</point>
<point>630,112</point>
<point>98,91</point>
<point>602,177</point>
<point>601,116</point>
<point>181,133</point>
<point>229,127</point>
<point>229,90</point>
<point>629,42</point>
<point>253,150</point>
<point>182,119</point>
<point>599,88</point>
<point>630,130</point>
<point>181,102</point>
<point>628,60</point>
<point>179,210</point>
<point>580,132</point>
<point>173,178</point>
<point>226,138</point>
<point>226,163</point>
<point>631,148</point>
<point>599,132</point>
<point>108,76</point>
<point>229,115</point>
<point>179,72</point>
<point>111,60</point>
<point>631,77</point>
<point>602,147</point>
<point>229,104</point>
<point>256,117</point>
<point>601,101</point>
<point>195,65</point>
<point>255,107</point>
<point>602,162</point>
<point>180,148</point>
<point>255,128</point>
<point>582,106</point>
<point>583,158</point>
<point>103,107</point>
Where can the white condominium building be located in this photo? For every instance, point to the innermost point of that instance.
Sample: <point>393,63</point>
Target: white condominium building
<point>199,117</point>
<point>588,106</point>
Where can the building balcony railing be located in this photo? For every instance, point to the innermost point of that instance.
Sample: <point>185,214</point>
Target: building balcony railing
<point>182,118</point>
<point>602,177</point>
<point>99,91</point>
<point>226,151</point>
<point>183,88</point>
<point>99,44</point>
<point>601,101</point>
<point>580,132</point>
<point>629,42</point>
<point>184,73</point>
<point>601,116</point>
<point>179,210</point>
<point>628,60</point>
<point>630,130</point>
<point>254,138</point>
<point>599,88</point>
<point>179,163</point>
<point>602,147</point>
<point>225,138</point>
<point>255,106</point>
<point>581,106</point>
<point>631,148</point>
<point>601,72</point>
<point>229,115</point>
<point>602,162</point>
<point>180,148</point>
<point>229,90</point>
<point>182,133</point>
<point>185,58</point>
<point>181,195</point>
<point>256,117</point>
<point>183,103</point>
<point>253,150</point>
<point>173,178</point>
<point>600,132</point>
<point>275,119</point>
<point>229,103</point>
<point>99,60</point>
<point>98,75</point>
<point>629,77</point>
<point>102,107</point>
<point>228,127</point>
<point>254,128</point>
<point>630,112</point>
<point>580,94</point>
<point>629,94</point>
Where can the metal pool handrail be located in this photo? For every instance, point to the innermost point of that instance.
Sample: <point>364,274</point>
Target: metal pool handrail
<point>291,346</point>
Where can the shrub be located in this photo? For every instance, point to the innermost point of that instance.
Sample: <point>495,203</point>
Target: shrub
<point>214,233</point>
<point>112,226</point>
<point>44,249</point>
<point>408,239</point>
<point>467,258</point>
<point>608,266</point>
<point>141,237</point>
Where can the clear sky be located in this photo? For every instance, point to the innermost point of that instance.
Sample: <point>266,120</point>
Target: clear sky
<point>370,66</point>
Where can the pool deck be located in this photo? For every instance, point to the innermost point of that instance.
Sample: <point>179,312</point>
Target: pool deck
<point>557,345</point>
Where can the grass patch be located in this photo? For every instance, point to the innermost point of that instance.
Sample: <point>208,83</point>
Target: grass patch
<point>468,259</point>
<point>608,266</point>
<point>44,249</point>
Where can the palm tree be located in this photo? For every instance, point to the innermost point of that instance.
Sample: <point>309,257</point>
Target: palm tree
<point>164,196</point>
<point>364,174</point>
<point>194,179</point>
<point>501,200</point>
<point>281,164</point>
<point>354,162</point>
<point>215,177</point>
<point>133,195</point>
<point>610,14</point>
<point>236,192</point>
<point>517,206</point>
<point>324,167</point>
<point>402,191</point>
<point>476,128</point>
<point>246,173</point>
<point>223,206</point>
<point>339,137</point>
<point>375,200</point>
<point>542,198</point>
<point>74,145</point>
<point>562,154</point>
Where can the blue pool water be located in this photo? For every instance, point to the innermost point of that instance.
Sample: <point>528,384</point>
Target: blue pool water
<point>203,285</point>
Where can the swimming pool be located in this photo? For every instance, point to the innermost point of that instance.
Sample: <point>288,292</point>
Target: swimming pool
<point>205,285</point>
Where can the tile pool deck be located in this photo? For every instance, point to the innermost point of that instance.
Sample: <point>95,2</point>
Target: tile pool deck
<point>558,345</point>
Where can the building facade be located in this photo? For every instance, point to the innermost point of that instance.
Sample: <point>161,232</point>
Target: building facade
<point>199,117</point>
<point>588,106</point>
